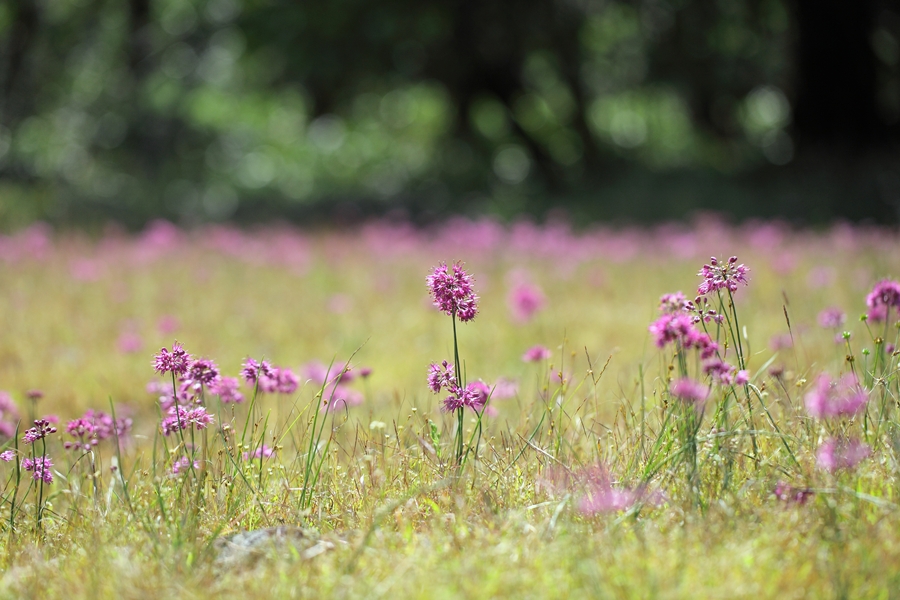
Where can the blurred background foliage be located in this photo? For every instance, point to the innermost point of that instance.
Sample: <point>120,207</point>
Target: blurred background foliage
<point>206,110</point>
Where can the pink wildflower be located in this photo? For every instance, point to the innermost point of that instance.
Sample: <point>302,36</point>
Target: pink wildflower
<point>670,304</point>
<point>884,296</point>
<point>261,452</point>
<point>7,455</point>
<point>227,389</point>
<point>718,276</point>
<point>832,318</point>
<point>175,361</point>
<point>261,372</point>
<point>41,468</point>
<point>720,371</point>
<point>842,398</point>
<point>441,376</point>
<point>182,465</point>
<point>287,381</point>
<point>690,391</point>
<point>536,354</point>
<point>41,429</point>
<point>452,292</point>
<point>83,430</point>
<point>524,301</point>
<point>835,455</point>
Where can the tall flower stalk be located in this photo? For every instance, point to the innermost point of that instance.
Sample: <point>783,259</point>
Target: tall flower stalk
<point>453,293</point>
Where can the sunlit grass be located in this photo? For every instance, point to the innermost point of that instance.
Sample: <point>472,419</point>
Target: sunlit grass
<point>398,516</point>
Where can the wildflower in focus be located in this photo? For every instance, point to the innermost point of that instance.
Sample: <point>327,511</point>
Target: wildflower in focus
<point>440,376</point>
<point>842,398</point>
<point>203,371</point>
<point>258,373</point>
<point>41,468</point>
<point>831,318</point>
<point>41,429</point>
<point>679,328</point>
<point>835,455</point>
<point>524,301</point>
<point>536,354</point>
<point>175,361</point>
<point>719,276</point>
<point>180,418</point>
<point>452,291</point>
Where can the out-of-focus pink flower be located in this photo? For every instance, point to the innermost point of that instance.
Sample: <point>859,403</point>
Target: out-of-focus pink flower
<point>262,452</point>
<point>792,495</point>
<point>836,455</point>
<point>7,455</point>
<point>844,397</point>
<point>781,341</point>
<point>720,371</point>
<point>228,390</point>
<point>884,296</point>
<point>524,301</point>
<point>129,342</point>
<point>832,318</point>
<point>505,388</point>
<point>167,325</point>
<point>690,391</point>
<point>536,354</point>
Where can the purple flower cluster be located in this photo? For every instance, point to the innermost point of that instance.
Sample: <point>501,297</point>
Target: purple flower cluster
<point>268,378</point>
<point>180,418</point>
<point>452,291</point>
<point>725,373</point>
<point>524,301</point>
<point>831,318</point>
<point>841,454</point>
<point>40,466</point>
<point>679,328</point>
<point>472,396</point>
<point>84,432</point>
<point>536,354</point>
<point>9,415</point>
<point>690,392</point>
<point>42,428</point>
<point>183,465</point>
<point>176,361</point>
<point>262,452</point>
<point>884,296</point>
<point>844,397</point>
<point>719,276</point>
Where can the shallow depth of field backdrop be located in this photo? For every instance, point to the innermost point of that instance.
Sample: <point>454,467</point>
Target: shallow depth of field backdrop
<point>222,372</point>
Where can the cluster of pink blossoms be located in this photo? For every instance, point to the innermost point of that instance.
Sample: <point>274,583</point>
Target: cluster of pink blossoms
<point>844,397</point>
<point>452,291</point>
<point>94,427</point>
<point>268,378</point>
<point>722,276</point>
<point>883,297</point>
<point>472,396</point>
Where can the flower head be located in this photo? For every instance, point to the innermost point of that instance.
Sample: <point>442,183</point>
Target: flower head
<point>452,291</point>
<point>84,431</point>
<point>842,398</point>
<point>441,376</point>
<point>227,389</point>
<point>41,468</point>
<point>670,304</point>
<point>690,391</point>
<point>176,361</point>
<point>202,371</point>
<point>524,301</point>
<point>835,455</point>
<point>536,354</point>
<point>720,276</point>
<point>183,464</point>
<point>884,296</point>
<point>262,452</point>
<point>42,428</point>
<point>832,318</point>
<point>258,372</point>
<point>7,455</point>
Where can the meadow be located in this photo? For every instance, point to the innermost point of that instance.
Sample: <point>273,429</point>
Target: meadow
<point>263,413</point>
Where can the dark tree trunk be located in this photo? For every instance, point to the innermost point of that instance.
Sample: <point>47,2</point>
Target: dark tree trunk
<point>15,95</point>
<point>836,76</point>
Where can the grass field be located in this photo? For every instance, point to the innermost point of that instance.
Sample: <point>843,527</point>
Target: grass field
<point>759,461</point>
